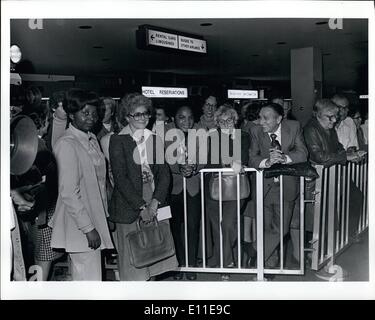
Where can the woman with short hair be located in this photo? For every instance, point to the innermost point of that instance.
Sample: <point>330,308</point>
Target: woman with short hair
<point>141,185</point>
<point>226,118</point>
<point>79,223</point>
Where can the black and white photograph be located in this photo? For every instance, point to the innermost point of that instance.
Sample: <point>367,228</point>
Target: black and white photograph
<point>187,150</point>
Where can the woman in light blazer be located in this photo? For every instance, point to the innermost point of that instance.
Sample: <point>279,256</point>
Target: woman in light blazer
<point>79,223</point>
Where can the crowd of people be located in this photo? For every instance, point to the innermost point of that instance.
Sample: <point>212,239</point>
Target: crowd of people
<point>94,191</point>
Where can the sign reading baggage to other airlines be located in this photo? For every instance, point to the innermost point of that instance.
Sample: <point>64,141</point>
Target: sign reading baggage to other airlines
<point>164,92</point>
<point>155,38</point>
<point>242,94</point>
<point>191,44</point>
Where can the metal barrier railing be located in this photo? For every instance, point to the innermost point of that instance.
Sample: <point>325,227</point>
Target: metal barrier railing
<point>260,270</point>
<point>334,224</point>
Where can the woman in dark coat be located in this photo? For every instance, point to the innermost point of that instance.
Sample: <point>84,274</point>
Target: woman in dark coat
<point>141,185</point>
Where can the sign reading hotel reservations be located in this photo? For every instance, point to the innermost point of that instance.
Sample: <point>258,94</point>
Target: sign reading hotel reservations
<point>242,94</point>
<point>150,37</point>
<point>164,92</point>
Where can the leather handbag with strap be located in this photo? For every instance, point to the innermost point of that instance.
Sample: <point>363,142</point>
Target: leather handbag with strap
<point>150,243</point>
<point>229,187</point>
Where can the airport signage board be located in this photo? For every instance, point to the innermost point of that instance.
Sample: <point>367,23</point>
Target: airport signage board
<point>156,38</point>
<point>191,44</point>
<point>242,94</point>
<point>162,39</point>
<point>164,92</point>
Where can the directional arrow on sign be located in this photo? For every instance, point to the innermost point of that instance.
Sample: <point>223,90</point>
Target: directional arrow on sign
<point>152,37</point>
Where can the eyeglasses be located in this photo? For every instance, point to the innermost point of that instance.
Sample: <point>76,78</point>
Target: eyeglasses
<point>228,121</point>
<point>331,118</point>
<point>139,115</point>
<point>358,117</point>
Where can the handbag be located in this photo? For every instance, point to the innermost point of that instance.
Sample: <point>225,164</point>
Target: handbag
<point>303,169</point>
<point>150,243</point>
<point>229,187</point>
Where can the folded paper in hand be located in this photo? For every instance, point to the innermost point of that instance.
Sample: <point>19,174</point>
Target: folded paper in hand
<point>164,213</point>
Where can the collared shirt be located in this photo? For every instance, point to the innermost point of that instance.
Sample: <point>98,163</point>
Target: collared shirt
<point>90,143</point>
<point>277,133</point>
<point>262,164</point>
<point>365,131</point>
<point>347,133</point>
<point>140,137</point>
<point>107,126</point>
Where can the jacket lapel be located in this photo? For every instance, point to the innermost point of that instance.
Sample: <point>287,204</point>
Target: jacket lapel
<point>266,142</point>
<point>285,137</point>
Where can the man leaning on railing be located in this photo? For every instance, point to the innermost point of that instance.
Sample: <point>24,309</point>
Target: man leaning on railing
<point>321,137</point>
<point>325,148</point>
<point>276,141</point>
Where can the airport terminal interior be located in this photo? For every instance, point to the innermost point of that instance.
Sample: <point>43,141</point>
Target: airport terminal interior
<point>179,62</point>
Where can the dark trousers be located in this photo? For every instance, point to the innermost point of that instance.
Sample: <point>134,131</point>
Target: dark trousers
<point>272,220</point>
<point>178,226</point>
<point>228,227</point>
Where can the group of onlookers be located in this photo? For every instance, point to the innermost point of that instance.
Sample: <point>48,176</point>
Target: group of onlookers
<point>99,161</point>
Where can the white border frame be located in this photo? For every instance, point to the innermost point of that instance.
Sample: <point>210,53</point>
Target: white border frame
<point>174,290</point>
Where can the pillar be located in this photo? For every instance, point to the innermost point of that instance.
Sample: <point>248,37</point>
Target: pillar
<point>306,81</point>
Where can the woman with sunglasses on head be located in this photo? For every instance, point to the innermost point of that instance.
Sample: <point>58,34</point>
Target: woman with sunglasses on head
<point>79,223</point>
<point>141,184</point>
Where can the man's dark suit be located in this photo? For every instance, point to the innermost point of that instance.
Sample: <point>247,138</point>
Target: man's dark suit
<point>292,145</point>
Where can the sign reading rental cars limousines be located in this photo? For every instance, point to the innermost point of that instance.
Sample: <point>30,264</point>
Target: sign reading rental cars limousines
<point>162,39</point>
<point>164,92</point>
<point>242,94</point>
<point>156,38</point>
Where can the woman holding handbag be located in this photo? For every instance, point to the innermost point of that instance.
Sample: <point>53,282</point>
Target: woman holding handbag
<point>141,184</point>
<point>226,118</point>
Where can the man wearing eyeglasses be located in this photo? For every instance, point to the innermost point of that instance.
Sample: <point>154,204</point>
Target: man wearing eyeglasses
<point>321,137</point>
<point>345,126</point>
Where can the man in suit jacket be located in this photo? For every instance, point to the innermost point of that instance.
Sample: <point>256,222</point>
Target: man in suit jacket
<point>287,135</point>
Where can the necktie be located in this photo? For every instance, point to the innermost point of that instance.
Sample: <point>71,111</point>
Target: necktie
<point>275,143</point>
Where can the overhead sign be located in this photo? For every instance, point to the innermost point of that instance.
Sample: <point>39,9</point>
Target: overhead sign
<point>150,37</point>
<point>242,94</point>
<point>162,39</point>
<point>191,44</point>
<point>164,92</point>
